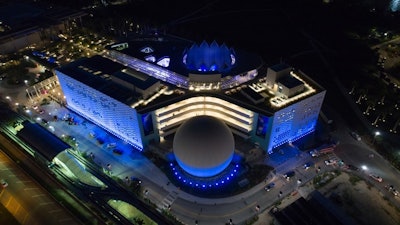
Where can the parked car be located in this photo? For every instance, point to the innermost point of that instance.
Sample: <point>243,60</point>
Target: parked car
<point>389,187</point>
<point>355,136</point>
<point>118,151</point>
<point>307,165</point>
<point>352,167</point>
<point>269,186</point>
<point>330,162</point>
<point>111,145</point>
<point>289,174</point>
<point>392,190</point>
<point>4,184</point>
<point>376,177</point>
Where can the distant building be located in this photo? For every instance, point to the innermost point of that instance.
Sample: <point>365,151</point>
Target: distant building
<point>144,89</point>
<point>24,24</point>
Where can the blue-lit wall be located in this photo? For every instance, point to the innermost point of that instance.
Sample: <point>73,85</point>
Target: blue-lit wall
<point>114,116</point>
<point>204,172</point>
<point>149,132</point>
<point>295,121</point>
<point>261,130</point>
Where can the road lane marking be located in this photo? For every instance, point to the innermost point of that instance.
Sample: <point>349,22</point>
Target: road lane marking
<point>55,210</point>
<point>23,181</point>
<point>39,195</point>
<point>46,203</point>
<point>33,188</point>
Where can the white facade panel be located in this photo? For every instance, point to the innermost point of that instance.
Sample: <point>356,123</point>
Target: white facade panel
<point>116,117</point>
<point>295,121</point>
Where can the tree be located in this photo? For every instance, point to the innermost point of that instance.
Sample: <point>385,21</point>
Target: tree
<point>138,221</point>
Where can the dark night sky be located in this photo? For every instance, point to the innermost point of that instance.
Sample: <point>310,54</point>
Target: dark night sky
<point>275,29</point>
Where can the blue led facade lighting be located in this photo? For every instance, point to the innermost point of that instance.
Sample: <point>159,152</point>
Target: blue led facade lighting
<point>208,185</point>
<point>191,80</point>
<point>203,146</point>
<point>295,121</point>
<point>112,115</point>
<point>204,172</point>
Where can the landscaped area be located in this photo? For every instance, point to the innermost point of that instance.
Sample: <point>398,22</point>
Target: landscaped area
<point>131,213</point>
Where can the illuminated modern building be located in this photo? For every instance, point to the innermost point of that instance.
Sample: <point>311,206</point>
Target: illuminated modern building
<point>144,90</point>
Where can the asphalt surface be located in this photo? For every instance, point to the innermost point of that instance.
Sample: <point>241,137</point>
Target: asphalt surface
<point>27,200</point>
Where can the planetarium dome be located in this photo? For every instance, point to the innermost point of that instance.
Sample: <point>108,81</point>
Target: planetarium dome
<point>203,146</point>
<point>209,58</point>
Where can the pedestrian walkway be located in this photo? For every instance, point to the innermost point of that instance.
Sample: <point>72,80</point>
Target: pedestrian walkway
<point>288,156</point>
<point>166,203</point>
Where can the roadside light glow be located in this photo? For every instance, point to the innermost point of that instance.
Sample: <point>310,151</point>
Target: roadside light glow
<point>364,167</point>
<point>377,133</point>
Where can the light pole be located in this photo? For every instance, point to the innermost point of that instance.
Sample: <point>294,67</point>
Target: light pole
<point>377,133</point>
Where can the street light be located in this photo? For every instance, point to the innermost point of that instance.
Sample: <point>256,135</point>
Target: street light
<point>364,167</point>
<point>377,133</point>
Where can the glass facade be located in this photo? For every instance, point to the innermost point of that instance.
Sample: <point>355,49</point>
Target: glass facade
<point>262,126</point>
<point>147,121</point>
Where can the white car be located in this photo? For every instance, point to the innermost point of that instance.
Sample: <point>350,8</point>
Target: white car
<point>376,177</point>
<point>330,162</point>
<point>4,184</point>
<point>355,136</point>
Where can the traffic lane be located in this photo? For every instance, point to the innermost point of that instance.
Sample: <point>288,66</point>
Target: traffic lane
<point>30,196</point>
<point>360,156</point>
<point>239,208</point>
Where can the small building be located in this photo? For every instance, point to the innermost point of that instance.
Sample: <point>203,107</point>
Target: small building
<point>290,86</point>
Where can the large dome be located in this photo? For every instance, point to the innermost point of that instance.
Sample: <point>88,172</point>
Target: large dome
<point>203,146</point>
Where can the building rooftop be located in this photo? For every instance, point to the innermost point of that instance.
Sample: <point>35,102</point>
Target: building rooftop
<point>137,78</point>
<point>253,94</point>
<point>290,81</point>
<point>279,67</point>
<point>174,48</point>
<point>46,143</point>
<point>97,72</point>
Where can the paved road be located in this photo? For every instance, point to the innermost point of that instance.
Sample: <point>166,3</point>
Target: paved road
<point>27,200</point>
<point>360,153</point>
